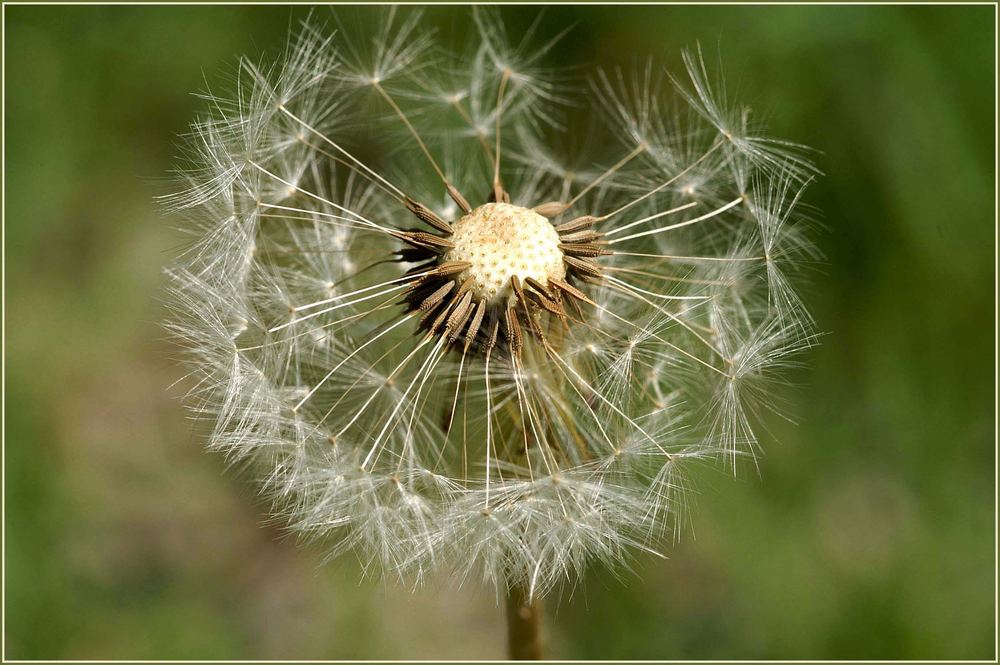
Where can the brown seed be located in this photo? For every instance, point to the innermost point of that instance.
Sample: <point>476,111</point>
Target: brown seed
<point>578,223</point>
<point>453,328</point>
<point>426,240</point>
<point>513,332</point>
<point>449,268</point>
<point>427,215</point>
<point>538,286</point>
<point>494,327</point>
<point>442,316</point>
<point>550,209</point>
<point>585,267</point>
<point>584,249</point>
<point>584,236</point>
<point>466,286</point>
<point>546,304</point>
<point>459,200</point>
<point>571,290</point>
<point>518,290</point>
<point>431,301</point>
<point>477,320</point>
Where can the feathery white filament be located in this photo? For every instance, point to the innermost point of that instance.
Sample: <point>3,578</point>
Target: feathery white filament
<point>497,390</point>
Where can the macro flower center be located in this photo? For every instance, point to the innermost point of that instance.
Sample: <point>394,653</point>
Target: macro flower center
<point>494,273</point>
<point>500,241</point>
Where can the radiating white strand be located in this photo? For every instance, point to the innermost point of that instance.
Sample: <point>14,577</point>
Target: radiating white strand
<point>351,224</point>
<point>619,229</point>
<point>586,404</point>
<point>417,406</point>
<point>357,291</point>
<point>672,346</point>
<point>615,280</point>
<point>673,317</point>
<point>375,392</point>
<point>674,257</point>
<point>604,176</point>
<point>524,407</point>
<point>356,221</point>
<point>605,400</point>
<point>354,159</point>
<point>661,186</point>
<point>351,355</point>
<point>330,309</point>
<point>319,198</point>
<point>717,211</point>
<point>402,400</point>
<point>454,407</point>
<point>489,428</point>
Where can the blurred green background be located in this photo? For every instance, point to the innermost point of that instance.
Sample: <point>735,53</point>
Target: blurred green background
<point>869,533</point>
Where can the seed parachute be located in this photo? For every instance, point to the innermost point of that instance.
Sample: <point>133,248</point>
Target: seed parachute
<point>443,338</point>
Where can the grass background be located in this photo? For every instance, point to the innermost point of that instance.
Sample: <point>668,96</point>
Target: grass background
<point>869,533</point>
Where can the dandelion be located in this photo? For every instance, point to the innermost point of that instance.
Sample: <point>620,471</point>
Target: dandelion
<point>444,340</point>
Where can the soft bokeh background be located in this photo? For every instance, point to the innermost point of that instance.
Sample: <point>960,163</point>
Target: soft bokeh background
<point>869,533</point>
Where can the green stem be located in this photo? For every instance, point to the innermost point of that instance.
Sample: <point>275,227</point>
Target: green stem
<point>524,625</point>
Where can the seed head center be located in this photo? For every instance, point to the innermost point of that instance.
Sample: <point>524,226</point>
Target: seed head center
<point>502,241</point>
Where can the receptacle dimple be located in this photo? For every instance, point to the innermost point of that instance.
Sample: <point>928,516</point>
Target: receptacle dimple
<point>502,241</point>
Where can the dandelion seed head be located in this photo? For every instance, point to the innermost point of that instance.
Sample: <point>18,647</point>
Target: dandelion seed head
<point>448,334</point>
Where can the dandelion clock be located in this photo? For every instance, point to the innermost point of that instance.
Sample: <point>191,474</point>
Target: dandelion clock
<point>456,337</point>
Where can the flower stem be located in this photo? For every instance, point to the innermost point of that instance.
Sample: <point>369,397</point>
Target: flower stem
<point>524,625</point>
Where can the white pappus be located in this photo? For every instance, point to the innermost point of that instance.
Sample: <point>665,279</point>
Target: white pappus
<point>448,328</point>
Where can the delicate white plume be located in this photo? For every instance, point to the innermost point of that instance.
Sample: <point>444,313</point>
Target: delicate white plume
<point>416,450</point>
